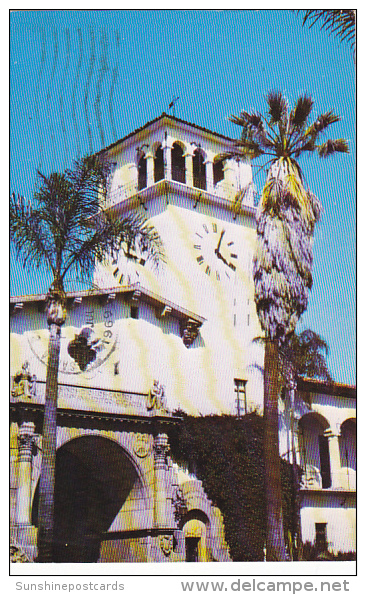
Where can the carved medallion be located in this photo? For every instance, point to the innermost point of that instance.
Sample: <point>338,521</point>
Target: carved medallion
<point>166,544</point>
<point>142,446</point>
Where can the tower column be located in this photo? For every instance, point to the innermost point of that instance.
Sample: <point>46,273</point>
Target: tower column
<point>189,165</point>
<point>209,171</point>
<point>149,168</point>
<point>229,178</point>
<point>167,153</point>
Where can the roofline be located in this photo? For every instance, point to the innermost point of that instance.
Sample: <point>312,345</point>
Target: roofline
<point>338,389</point>
<point>170,117</point>
<point>150,297</point>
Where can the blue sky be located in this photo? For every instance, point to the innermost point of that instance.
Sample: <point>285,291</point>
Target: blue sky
<point>82,79</point>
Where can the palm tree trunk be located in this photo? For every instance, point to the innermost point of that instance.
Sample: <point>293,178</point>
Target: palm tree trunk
<point>275,543</point>
<point>47,478</point>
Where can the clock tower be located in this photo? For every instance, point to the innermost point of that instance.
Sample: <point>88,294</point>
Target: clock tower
<point>175,174</point>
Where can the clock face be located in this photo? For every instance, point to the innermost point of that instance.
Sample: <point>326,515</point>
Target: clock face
<point>125,266</point>
<point>215,251</point>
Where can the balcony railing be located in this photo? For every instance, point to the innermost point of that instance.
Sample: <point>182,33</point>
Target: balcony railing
<point>312,479</point>
<point>222,190</point>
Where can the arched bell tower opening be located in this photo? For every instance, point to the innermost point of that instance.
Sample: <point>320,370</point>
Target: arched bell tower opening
<point>199,170</point>
<point>94,477</point>
<point>158,164</point>
<point>142,172</point>
<point>178,164</point>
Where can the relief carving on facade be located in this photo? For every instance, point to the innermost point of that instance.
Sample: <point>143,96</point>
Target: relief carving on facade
<point>189,331</point>
<point>24,383</point>
<point>142,445</point>
<point>156,398</point>
<point>166,544</point>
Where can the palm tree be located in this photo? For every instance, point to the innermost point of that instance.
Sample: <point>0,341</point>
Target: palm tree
<point>66,229</point>
<point>301,355</point>
<point>282,271</point>
<point>341,23</point>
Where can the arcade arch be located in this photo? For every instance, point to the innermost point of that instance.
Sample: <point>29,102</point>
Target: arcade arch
<point>94,478</point>
<point>314,450</point>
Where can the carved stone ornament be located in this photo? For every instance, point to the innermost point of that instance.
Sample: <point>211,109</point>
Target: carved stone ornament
<point>161,449</point>
<point>189,331</point>
<point>166,544</point>
<point>179,504</point>
<point>156,398</point>
<point>142,446</point>
<point>17,555</point>
<point>24,383</point>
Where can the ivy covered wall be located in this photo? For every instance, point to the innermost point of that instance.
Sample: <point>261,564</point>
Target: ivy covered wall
<point>226,454</point>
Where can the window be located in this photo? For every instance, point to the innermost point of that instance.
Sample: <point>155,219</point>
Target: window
<point>218,171</point>
<point>134,312</point>
<point>240,397</point>
<point>158,164</point>
<point>142,173</point>
<point>324,461</point>
<point>178,164</point>
<point>199,170</point>
<point>321,537</point>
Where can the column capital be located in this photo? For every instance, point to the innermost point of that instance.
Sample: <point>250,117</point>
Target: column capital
<point>161,449</point>
<point>332,433</point>
<point>26,442</point>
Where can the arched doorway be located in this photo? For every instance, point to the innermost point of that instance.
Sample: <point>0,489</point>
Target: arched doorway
<point>94,477</point>
<point>196,539</point>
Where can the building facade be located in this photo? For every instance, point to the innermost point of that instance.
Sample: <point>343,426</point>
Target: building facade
<point>141,345</point>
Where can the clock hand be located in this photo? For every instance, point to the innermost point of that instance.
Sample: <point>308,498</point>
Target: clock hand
<point>220,256</point>
<point>220,240</point>
<point>228,264</point>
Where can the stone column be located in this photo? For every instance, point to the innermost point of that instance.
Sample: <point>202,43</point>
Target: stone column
<point>161,449</point>
<point>149,168</point>
<point>167,153</point>
<point>24,488</point>
<point>209,171</point>
<point>189,166</point>
<point>229,179</point>
<point>335,458</point>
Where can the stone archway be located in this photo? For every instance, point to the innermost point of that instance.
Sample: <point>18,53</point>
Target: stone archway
<point>94,477</point>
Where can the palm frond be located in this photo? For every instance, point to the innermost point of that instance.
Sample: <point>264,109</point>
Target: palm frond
<point>340,22</point>
<point>67,228</point>
<point>306,353</point>
<point>330,147</point>
<point>278,106</point>
<point>302,110</point>
<point>30,236</point>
